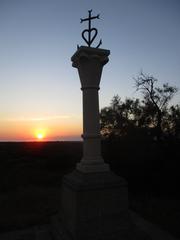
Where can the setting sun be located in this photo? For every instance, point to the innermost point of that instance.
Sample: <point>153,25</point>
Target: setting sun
<point>40,134</point>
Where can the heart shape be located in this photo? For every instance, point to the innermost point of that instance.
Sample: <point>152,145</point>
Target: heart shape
<point>89,31</point>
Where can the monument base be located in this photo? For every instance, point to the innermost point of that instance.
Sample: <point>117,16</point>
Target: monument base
<point>95,206</point>
<point>96,167</point>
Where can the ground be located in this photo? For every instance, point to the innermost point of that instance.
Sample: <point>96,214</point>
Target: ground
<point>30,189</point>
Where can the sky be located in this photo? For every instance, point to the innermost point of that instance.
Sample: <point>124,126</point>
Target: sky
<point>40,90</point>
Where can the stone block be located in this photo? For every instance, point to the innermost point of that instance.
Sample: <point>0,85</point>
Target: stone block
<point>95,205</point>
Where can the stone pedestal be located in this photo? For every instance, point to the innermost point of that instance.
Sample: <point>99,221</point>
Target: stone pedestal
<point>95,205</point>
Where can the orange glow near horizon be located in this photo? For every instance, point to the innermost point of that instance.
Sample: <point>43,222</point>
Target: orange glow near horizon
<point>61,130</point>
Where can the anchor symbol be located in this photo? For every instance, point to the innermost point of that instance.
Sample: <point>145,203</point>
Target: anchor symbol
<point>90,34</point>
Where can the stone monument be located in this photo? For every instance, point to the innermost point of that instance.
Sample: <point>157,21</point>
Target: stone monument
<point>94,199</point>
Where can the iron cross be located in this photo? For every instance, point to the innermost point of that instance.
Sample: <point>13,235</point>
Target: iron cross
<point>92,32</point>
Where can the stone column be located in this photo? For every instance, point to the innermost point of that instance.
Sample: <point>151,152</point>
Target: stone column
<point>89,62</point>
<point>94,200</point>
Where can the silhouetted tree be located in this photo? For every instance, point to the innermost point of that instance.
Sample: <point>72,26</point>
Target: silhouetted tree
<point>173,121</point>
<point>120,118</point>
<point>155,100</point>
<point>149,117</point>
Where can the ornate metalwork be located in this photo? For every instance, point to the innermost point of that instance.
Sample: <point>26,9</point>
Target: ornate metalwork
<point>90,34</point>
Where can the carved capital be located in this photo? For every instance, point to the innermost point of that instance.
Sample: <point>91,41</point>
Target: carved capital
<point>89,54</point>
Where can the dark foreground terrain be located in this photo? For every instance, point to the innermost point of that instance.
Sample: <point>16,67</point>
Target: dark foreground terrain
<point>31,174</point>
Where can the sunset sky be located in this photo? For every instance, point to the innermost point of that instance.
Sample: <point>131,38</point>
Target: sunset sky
<point>40,91</point>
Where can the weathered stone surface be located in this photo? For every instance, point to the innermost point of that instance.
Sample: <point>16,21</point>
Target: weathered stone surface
<point>95,205</point>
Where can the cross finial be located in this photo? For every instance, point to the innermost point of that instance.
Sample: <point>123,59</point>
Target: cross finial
<point>91,32</point>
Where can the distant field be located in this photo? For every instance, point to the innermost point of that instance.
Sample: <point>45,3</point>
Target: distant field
<point>31,174</point>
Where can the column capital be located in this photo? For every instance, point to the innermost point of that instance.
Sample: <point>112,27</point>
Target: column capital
<point>88,53</point>
<point>89,62</point>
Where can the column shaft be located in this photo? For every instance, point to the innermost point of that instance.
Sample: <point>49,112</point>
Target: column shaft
<point>91,127</point>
